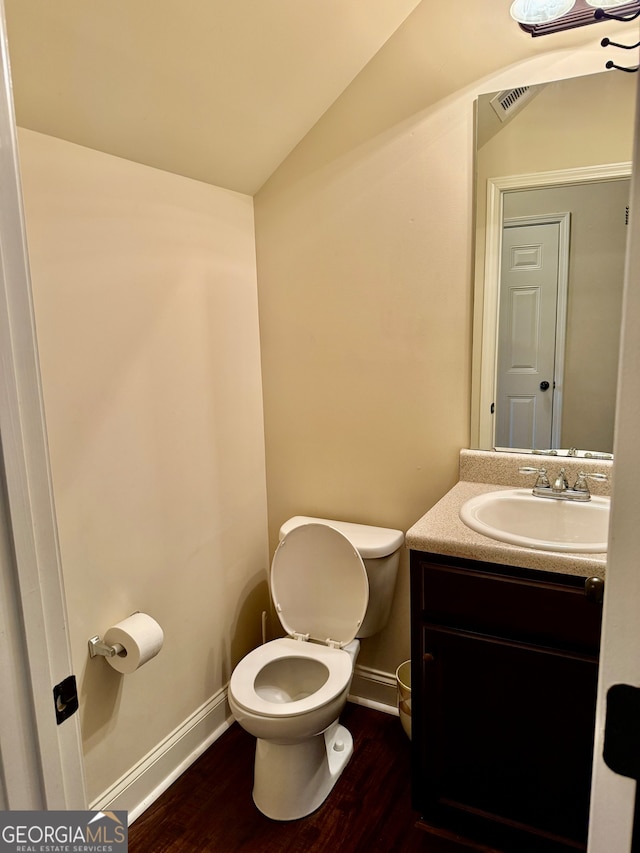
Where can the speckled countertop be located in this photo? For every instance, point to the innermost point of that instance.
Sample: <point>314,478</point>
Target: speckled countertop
<point>441,531</point>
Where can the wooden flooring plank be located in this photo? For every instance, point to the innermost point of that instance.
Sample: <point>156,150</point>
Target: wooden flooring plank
<point>209,808</point>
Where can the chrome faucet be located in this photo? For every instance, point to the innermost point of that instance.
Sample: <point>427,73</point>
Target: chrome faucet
<point>560,489</point>
<point>561,484</point>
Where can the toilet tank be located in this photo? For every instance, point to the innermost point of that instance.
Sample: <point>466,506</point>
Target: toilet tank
<point>379,548</point>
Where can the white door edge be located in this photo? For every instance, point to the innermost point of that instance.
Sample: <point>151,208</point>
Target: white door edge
<point>613,796</point>
<point>55,779</point>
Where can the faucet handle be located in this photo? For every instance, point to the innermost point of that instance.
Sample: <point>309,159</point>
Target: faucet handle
<point>581,484</point>
<point>542,481</point>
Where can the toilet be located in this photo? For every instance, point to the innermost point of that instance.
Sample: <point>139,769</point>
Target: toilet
<point>332,584</point>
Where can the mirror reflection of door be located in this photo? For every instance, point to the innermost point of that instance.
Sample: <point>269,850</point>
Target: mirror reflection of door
<point>533,285</point>
<point>586,368</point>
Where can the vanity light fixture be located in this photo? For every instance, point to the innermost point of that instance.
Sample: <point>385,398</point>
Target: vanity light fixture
<point>607,4</point>
<point>541,17</point>
<point>540,11</point>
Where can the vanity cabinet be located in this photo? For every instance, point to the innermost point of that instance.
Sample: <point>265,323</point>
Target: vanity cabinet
<point>504,674</point>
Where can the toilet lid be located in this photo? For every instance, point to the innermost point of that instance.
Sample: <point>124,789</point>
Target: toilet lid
<point>319,584</point>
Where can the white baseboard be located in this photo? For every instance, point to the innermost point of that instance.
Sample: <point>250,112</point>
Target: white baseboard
<point>151,776</point>
<point>375,689</point>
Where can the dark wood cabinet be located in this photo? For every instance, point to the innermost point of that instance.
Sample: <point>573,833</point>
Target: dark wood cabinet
<point>504,675</point>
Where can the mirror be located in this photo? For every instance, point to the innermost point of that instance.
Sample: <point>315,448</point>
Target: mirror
<point>552,168</point>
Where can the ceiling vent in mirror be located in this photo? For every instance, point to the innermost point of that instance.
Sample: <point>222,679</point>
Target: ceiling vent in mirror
<point>510,101</point>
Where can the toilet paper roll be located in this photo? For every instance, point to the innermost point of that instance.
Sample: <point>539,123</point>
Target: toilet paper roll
<point>141,639</point>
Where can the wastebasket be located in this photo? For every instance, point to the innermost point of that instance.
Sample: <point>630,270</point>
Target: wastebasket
<point>403,680</point>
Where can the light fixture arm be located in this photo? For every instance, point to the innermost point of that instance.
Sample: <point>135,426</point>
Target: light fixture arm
<point>610,64</point>
<point>607,42</point>
<point>601,14</point>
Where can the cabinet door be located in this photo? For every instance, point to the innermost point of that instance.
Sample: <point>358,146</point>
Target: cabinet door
<point>506,737</point>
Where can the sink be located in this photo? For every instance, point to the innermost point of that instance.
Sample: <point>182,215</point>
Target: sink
<point>517,517</point>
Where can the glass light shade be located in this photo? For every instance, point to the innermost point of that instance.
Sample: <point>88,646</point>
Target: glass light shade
<point>540,11</point>
<point>607,4</point>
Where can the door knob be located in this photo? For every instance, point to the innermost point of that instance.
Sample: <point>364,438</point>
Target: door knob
<point>544,385</point>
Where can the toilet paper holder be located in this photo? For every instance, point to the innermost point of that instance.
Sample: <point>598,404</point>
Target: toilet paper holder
<point>98,647</point>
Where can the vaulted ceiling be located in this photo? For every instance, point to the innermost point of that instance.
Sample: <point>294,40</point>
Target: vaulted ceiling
<point>223,90</point>
<point>219,90</point>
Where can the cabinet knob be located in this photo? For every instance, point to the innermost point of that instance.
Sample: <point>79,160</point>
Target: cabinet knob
<point>594,589</point>
<point>427,657</point>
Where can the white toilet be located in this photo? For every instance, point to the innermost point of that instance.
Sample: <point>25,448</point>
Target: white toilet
<point>331,583</point>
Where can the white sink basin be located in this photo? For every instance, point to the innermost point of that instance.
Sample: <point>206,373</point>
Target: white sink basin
<point>517,517</point>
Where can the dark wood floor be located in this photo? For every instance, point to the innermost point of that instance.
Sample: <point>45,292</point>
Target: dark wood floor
<point>210,808</point>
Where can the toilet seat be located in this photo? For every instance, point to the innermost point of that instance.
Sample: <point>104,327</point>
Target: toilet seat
<point>243,680</point>
<point>320,590</point>
<point>319,585</point>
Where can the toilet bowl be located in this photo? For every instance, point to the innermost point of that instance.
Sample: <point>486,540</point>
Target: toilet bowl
<point>286,690</point>
<point>289,692</point>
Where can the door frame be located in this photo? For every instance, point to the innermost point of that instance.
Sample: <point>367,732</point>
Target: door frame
<point>563,220</point>
<point>613,796</point>
<point>485,326</point>
<point>37,636</point>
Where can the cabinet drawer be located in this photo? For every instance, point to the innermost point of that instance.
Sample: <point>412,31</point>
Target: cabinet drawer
<point>548,610</point>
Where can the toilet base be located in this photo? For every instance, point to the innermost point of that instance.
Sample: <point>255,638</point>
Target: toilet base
<point>293,780</point>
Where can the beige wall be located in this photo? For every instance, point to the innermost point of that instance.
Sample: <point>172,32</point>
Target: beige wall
<point>365,314</point>
<point>579,122</point>
<point>145,300</point>
<point>364,245</point>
